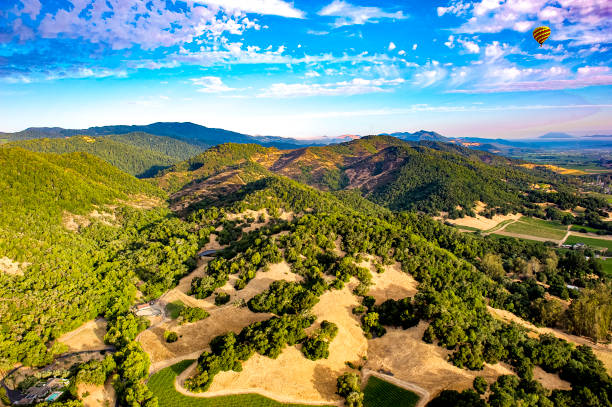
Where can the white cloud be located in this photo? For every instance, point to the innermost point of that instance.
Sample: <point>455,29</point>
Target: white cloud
<point>580,21</point>
<point>470,46</point>
<point>312,74</point>
<point>392,46</point>
<point>346,88</point>
<point>401,52</point>
<point>31,7</point>
<point>429,74</point>
<point>414,46</point>
<point>451,41</point>
<point>211,84</point>
<point>349,14</point>
<point>268,7</point>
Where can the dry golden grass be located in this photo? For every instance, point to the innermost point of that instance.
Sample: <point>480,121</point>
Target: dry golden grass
<point>393,284</point>
<point>480,222</point>
<point>404,353</point>
<point>194,338</point>
<point>551,381</point>
<point>11,267</point>
<point>554,168</point>
<point>96,396</point>
<point>291,374</point>
<point>89,336</point>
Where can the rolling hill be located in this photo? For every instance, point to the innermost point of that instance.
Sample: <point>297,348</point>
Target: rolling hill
<point>187,132</point>
<point>427,176</point>
<point>336,245</point>
<point>139,154</point>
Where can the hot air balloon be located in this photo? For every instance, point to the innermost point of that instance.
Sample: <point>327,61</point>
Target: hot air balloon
<point>541,34</point>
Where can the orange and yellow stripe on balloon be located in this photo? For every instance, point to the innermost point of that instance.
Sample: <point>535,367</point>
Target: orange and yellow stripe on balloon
<point>541,34</point>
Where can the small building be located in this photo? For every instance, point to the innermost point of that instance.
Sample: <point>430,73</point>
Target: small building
<point>208,253</point>
<point>147,310</point>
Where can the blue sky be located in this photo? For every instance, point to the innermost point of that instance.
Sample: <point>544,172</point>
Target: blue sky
<point>309,68</point>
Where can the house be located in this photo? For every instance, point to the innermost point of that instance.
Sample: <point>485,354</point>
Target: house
<point>49,391</point>
<point>147,310</point>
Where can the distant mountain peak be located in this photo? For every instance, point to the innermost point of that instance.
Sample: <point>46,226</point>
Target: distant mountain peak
<point>556,135</point>
<point>421,135</point>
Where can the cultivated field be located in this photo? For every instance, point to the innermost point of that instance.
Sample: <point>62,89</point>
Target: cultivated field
<point>537,228</point>
<point>379,393</point>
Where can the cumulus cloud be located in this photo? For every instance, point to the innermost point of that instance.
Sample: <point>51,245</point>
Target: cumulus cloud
<point>392,46</point>
<point>269,7</point>
<point>349,14</point>
<point>31,8</point>
<point>211,84</point>
<point>581,22</point>
<point>345,88</point>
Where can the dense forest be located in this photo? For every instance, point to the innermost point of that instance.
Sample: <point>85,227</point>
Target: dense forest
<point>139,154</point>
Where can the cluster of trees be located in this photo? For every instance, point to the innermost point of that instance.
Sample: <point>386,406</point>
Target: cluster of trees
<point>582,369</point>
<point>316,346</point>
<point>228,351</point>
<point>284,297</point>
<point>402,313</point>
<point>96,372</point>
<point>348,387</point>
<point>171,336</point>
<point>132,362</point>
<point>192,314</point>
<point>239,260</point>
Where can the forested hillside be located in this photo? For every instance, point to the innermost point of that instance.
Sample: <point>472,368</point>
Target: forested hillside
<point>70,275</point>
<point>139,154</point>
<point>191,133</point>
<point>425,176</point>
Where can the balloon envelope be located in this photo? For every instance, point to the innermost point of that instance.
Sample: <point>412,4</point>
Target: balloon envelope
<point>541,34</point>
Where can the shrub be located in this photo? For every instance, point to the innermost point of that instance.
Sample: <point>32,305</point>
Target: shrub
<point>222,298</point>
<point>480,385</point>
<point>170,336</point>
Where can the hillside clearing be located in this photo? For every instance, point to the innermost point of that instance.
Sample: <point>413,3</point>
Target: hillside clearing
<point>97,396</point>
<point>404,353</point>
<point>480,222</point>
<point>194,338</point>
<point>392,284</point>
<point>537,228</point>
<point>11,267</point>
<point>293,376</point>
<point>89,336</point>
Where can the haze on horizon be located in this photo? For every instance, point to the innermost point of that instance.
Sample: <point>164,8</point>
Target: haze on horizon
<point>309,69</point>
